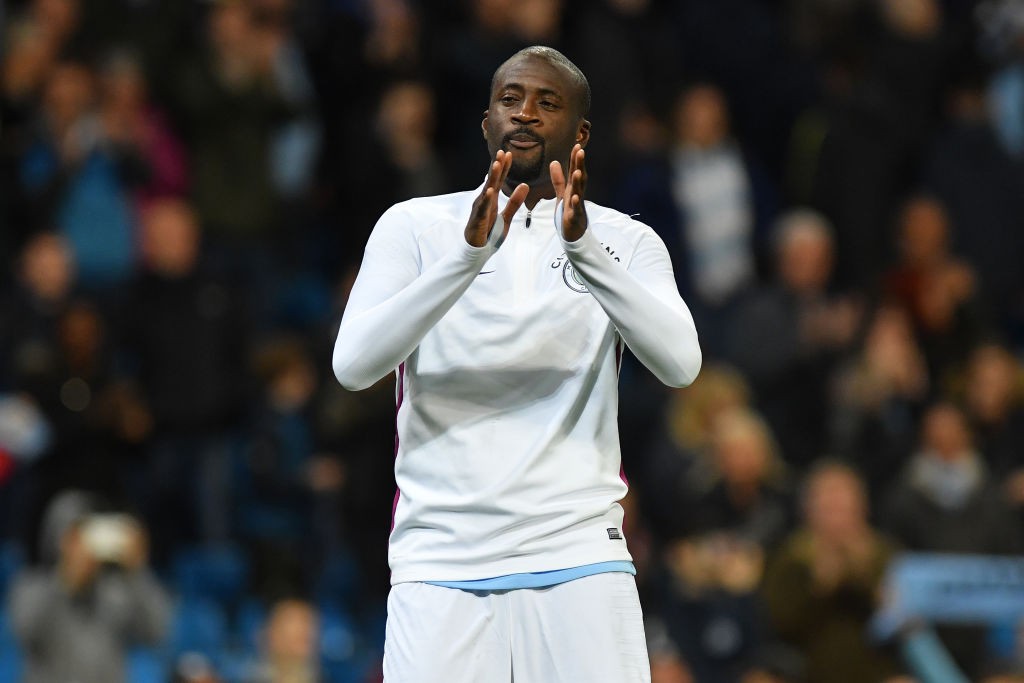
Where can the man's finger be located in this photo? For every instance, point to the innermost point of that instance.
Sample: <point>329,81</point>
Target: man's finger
<point>574,159</point>
<point>506,166</point>
<point>579,180</point>
<point>495,171</point>
<point>578,183</point>
<point>557,178</point>
<point>515,200</point>
<point>482,206</point>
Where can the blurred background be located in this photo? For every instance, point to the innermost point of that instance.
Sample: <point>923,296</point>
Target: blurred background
<point>186,493</point>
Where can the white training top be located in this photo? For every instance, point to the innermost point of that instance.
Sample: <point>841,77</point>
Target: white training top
<point>507,455</point>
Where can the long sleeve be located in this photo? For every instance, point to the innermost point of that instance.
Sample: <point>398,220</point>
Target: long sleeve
<point>393,305</point>
<point>643,303</point>
<point>149,605</point>
<point>34,602</point>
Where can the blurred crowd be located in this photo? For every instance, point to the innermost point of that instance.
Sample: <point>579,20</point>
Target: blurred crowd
<point>185,492</point>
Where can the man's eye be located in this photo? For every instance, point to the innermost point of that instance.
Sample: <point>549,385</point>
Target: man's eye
<point>548,105</point>
<point>508,99</point>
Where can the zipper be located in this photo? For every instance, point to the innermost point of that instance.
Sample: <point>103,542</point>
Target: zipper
<point>529,214</point>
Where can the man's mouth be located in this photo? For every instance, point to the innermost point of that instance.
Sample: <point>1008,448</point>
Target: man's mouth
<point>523,141</point>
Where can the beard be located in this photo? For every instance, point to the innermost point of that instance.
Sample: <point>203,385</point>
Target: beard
<point>526,170</point>
<point>527,165</point>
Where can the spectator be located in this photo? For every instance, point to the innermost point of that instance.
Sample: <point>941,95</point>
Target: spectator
<point>290,644</point>
<point>468,56</point>
<point>393,40</point>
<point>666,664</point>
<point>708,602</point>
<point>389,43</point>
<point>881,108</point>
<point>29,54</point>
<point>295,143</point>
<point>137,133</point>
<point>745,493</point>
<point>92,416</point>
<point>878,397</point>
<point>157,33</point>
<point>821,586</point>
<point>946,501</point>
<point>75,183</point>
<point>994,405</point>
<point>61,20</point>
<point>45,280</point>
<point>77,616</point>
<point>801,328</point>
<point>401,161</point>
<point>712,189</point>
<point>185,336</point>
<point>1000,26</point>
<point>982,186</point>
<point>708,200</point>
<point>287,495</point>
<point>643,75</point>
<point>936,288</point>
<point>683,444</point>
<point>230,105</point>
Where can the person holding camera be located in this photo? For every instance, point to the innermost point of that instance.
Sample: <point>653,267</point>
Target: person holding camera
<point>94,597</point>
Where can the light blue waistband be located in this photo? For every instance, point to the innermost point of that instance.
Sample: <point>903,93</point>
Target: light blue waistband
<point>539,579</point>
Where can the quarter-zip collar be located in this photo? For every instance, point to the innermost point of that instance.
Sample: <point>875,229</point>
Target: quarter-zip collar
<point>541,216</point>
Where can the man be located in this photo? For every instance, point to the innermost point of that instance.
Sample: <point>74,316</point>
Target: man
<point>822,585</point>
<point>505,311</point>
<point>95,597</point>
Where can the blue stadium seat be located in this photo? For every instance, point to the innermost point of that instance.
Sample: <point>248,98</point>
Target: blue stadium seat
<point>1003,639</point>
<point>10,666</point>
<point>338,582</point>
<point>10,656</point>
<point>145,665</point>
<point>249,623</point>
<point>217,573</point>
<point>238,667</point>
<point>198,626</point>
<point>342,656</point>
<point>12,558</point>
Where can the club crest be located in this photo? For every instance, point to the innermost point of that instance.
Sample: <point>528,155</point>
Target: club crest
<point>570,277</point>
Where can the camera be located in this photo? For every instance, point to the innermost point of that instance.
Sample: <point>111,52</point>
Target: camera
<point>107,536</point>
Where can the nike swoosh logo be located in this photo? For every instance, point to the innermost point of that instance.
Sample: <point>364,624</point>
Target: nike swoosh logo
<point>485,272</point>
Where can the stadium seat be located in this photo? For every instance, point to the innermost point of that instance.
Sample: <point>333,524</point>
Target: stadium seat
<point>217,573</point>
<point>12,558</point>
<point>238,667</point>
<point>10,655</point>
<point>249,622</point>
<point>145,665</point>
<point>338,582</point>
<point>342,656</point>
<point>198,626</point>
<point>10,666</point>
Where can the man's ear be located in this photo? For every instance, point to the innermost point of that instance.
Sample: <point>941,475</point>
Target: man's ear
<point>483,124</point>
<point>583,133</point>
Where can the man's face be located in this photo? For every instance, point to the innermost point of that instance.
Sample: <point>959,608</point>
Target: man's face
<point>534,113</point>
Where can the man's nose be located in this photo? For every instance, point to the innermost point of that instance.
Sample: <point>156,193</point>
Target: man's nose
<point>527,113</point>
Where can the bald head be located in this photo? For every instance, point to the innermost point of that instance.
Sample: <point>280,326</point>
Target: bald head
<point>559,61</point>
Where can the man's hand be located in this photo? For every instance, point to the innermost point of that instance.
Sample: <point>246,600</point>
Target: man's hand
<point>571,193</point>
<point>485,208</point>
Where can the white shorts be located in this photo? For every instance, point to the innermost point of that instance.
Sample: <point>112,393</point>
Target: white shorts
<point>589,630</point>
